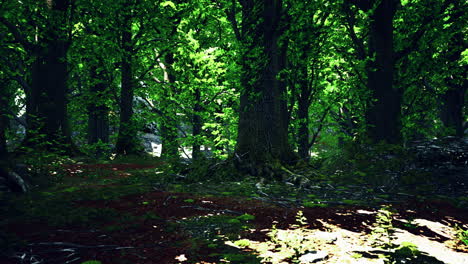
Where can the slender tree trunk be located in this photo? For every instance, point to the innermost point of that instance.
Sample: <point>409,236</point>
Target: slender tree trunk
<point>303,131</point>
<point>262,130</point>
<point>127,142</point>
<point>383,116</point>
<point>170,146</point>
<point>453,100</point>
<point>196,125</point>
<point>3,122</point>
<point>98,112</point>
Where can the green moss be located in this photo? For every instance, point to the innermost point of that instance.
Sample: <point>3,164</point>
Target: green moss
<point>246,217</point>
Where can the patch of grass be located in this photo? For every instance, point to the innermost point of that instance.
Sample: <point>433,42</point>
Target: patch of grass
<point>352,202</point>
<point>92,262</point>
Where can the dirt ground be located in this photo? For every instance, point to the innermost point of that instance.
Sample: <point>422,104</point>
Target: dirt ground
<point>160,226</point>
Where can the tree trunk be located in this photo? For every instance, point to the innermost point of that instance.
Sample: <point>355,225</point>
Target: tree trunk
<point>46,103</point>
<point>4,98</point>
<point>262,130</point>
<point>453,100</point>
<point>196,125</point>
<point>170,146</point>
<point>98,112</point>
<point>303,131</point>
<point>383,115</point>
<point>127,142</point>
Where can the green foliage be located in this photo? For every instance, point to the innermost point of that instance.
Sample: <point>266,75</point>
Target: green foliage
<point>461,234</point>
<point>246,217</point>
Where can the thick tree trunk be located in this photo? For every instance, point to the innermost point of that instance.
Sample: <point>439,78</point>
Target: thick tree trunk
<point>98,112</point>
<point>383,115</point>
<point>262,130</point>
<point>197,125</point>
<point>46,103</point>
<point>170,146</point>
<point>127,142</point>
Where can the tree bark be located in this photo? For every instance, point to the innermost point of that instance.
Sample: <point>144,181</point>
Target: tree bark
<point>197,125</point>
<point>383,115</point>
<point>98,112</point>
<point>127,143</point>
<point>4,94</point>
<point>170,146</point>
<point>303,131</point>
<point>46,101</point>
<point>262,129</point>
<point>453,100</point>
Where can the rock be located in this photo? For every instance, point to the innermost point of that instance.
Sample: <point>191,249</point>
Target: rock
<point>13,181</point>
<point>313,256</point>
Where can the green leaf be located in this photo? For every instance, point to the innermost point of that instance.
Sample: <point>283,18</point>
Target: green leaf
<point>169,3</point>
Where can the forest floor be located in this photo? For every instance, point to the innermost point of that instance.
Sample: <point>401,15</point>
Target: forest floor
<point>118,213</point>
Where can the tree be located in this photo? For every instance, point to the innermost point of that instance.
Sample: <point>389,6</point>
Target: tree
<point>46,98</point>
<point>262,130</point>
<point>383,114</point>
<point>98,111</point>
<point>126,141</point>
<point>309,32</point>
<point>453,99</point>
<point>4,102</point>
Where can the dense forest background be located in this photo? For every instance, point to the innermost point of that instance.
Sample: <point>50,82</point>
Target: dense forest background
<point>254,81</point>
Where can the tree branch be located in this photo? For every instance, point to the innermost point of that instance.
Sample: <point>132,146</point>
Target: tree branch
<point>231,16</point>
<point>18,36</point>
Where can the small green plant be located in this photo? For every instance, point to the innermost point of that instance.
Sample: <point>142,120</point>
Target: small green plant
<point>189,200</point>
<point>383,230</point>
<point>289,244</point>
<point>461,235</point>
